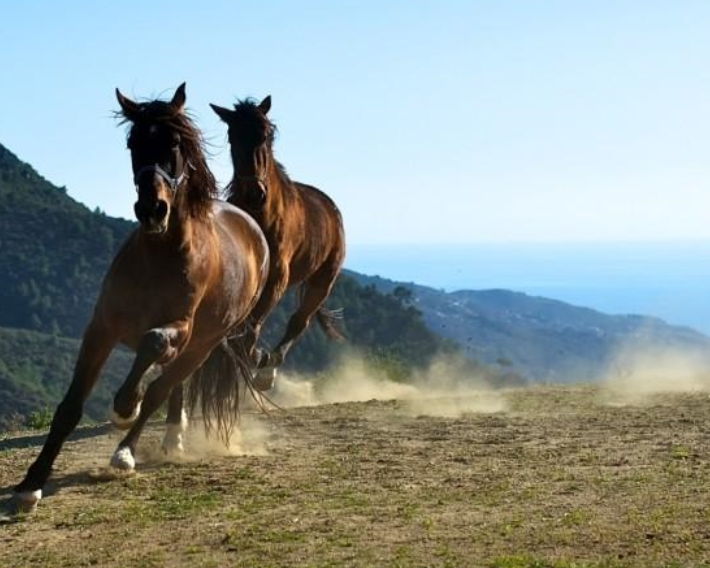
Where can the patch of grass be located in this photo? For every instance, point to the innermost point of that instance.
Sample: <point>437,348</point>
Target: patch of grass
<point>406,511</point>
<point>574,518</point>
<point>168,504</point>
<point>507,528</point>
<point>525,561</point>
<point>403,558</point>
<point>40,419</point>
<point>681,452</point>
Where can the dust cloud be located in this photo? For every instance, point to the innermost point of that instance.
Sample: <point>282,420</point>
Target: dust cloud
<point>444,389</point>
<point>639,371</point>
<point>251,438</point>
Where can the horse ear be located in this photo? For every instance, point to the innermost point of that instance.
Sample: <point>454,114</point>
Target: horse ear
<point>265,105</point>
<point>129,108</point>
<point>179,98</point>
<point>224,113</point>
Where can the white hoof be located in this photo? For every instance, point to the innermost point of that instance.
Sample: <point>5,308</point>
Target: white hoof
<point>26,501</point>
<point>123,459</point>
<point>124,423</point>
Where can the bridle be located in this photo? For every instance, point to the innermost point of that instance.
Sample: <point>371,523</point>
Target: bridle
<point>173,182</point>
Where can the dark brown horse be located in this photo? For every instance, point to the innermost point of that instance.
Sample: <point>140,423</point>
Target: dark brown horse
<point>302,225</point>
<point>184,280</point>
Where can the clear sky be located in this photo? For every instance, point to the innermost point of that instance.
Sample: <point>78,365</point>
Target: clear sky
<point>427,121</point>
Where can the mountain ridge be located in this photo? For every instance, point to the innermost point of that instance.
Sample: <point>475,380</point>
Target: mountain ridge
<point>549,340</point>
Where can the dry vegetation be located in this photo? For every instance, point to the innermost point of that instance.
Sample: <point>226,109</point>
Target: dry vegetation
<point>551,477</point>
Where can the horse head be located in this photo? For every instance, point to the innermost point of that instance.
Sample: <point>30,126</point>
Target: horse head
<point>251,135</point>
<point>161,163</point>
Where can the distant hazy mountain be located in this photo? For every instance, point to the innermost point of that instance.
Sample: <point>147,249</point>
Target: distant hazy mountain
<point>542,338</point>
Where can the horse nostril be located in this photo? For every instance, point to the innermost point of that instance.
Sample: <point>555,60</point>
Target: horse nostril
<point>161,210</point>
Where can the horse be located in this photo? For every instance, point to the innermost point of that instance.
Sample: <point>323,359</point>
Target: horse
<point>178,292</point>
<point>303,227</point>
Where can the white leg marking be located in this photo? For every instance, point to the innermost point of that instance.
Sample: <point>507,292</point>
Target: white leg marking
<point>123,459</point>
<point>172,443</point>
<point>124,423</point>
<point>26,501</point>
<point>173,440</point>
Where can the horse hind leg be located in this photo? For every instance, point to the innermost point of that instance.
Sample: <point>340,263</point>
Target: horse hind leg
<point>314,293</point>
<point>176,423</point>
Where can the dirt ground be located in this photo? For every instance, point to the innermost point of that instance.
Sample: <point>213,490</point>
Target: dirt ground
<point>545,477</point>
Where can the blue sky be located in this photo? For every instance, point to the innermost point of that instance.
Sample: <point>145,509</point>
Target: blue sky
<point>427,121</point>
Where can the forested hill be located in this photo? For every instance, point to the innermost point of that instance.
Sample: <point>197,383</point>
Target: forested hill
<point>53,252</point>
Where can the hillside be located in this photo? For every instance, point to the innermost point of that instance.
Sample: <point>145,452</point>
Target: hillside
<point>546,339</point>
<point>35,370</point>
<point>53,252</point>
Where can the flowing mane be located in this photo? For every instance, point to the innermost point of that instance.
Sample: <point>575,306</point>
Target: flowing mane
<point>202,186</point>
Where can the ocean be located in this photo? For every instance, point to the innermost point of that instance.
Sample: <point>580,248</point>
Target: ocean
<point>669,280</point>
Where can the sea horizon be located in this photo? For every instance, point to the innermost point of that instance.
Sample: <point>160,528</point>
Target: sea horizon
<point>665,279</point>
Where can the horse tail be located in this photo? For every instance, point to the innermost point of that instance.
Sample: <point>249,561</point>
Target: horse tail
<point>218,386</point>
<point>327,318</point>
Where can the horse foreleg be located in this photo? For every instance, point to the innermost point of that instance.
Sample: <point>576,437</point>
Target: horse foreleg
<point>159,345</point>
<point>155,395</point>
<point>95,349</point>
<point>273,292</point>
<point>176,423</point>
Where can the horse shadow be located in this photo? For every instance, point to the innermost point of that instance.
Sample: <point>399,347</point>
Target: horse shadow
<point>58,481</point>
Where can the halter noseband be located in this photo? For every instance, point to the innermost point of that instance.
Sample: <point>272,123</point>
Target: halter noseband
<point>173,182</point>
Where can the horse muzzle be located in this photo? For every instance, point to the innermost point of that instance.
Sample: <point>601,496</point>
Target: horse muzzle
<point>153,217</point>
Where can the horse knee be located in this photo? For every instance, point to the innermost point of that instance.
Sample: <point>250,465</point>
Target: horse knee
<point>155,345</point>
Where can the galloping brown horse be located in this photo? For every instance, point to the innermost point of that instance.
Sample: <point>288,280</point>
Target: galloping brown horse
<point>183,281</point>
<point>302,225</point>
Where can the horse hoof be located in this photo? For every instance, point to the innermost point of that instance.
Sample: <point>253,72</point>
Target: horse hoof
<point>26,501</point>
<point>123,459</point>
<point>173,447</point>
<point>264,379</point>
<point>124,423</point>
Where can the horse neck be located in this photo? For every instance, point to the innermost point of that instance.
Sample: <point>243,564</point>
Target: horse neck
<point>181,226</point>
<point>280,192</point>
